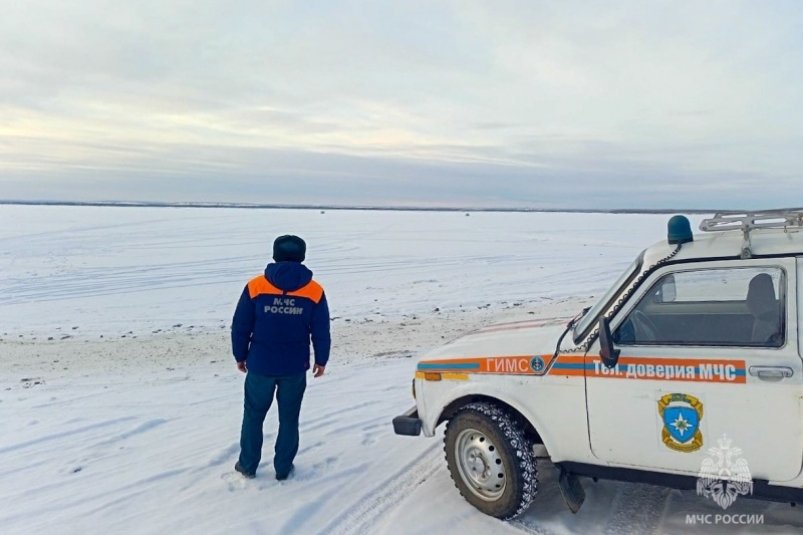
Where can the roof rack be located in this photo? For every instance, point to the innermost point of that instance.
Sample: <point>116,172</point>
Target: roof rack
<point>786,219</point>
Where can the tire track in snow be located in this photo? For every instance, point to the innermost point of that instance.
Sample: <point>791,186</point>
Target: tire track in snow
<point>525,528</point>
<point>361,517</point>
<point>331,418</point>
<point>637,508</point>
<point>63,434</point>
<point>138,430</point>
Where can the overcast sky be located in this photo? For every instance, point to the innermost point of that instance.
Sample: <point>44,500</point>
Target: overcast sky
<point>538,104</point>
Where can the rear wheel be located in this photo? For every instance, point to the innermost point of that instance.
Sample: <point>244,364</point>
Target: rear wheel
<point>491,460</point>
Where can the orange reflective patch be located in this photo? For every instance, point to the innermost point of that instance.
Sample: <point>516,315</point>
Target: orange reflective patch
<point>312,291</point>
<point>260,285</point>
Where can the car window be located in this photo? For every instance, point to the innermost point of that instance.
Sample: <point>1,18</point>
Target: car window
<point>590,317</point>
<point>719,307</point>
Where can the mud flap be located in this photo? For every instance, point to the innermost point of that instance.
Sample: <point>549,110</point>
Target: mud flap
<point>572,491</point>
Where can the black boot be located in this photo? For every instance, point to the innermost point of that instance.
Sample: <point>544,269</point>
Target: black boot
<point>282,477</point>
<point>247,475</point>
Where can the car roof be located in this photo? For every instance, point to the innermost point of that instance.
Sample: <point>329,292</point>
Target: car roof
<point>729,244</point>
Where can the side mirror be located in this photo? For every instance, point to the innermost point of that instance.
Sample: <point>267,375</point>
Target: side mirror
<point>609,354</point>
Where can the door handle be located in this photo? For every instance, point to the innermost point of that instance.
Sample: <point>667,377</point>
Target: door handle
<point>771,373</point>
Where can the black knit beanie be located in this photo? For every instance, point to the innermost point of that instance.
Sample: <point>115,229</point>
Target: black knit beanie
<point>289,248</point>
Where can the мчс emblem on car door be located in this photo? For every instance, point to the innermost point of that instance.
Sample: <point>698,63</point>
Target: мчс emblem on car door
<point>681,415</point>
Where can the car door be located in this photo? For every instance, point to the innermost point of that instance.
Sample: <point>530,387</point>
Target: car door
<point>709,356</point>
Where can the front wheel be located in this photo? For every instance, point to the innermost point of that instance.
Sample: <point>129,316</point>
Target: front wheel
<point>491,460</point>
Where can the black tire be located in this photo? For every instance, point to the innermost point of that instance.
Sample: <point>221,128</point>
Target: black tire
<point>491,440</point>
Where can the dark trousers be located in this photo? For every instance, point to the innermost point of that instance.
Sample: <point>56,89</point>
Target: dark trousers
<point>259,391</point>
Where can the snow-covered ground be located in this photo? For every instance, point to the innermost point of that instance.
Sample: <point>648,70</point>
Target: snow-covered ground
<point>120,405</point>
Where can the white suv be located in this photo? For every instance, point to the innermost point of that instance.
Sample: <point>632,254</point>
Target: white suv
<point>697,344</point>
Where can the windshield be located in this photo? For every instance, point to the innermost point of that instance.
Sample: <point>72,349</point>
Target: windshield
<point>589,318</point>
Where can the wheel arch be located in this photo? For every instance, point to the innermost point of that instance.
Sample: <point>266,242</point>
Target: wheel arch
<point>455,405</point>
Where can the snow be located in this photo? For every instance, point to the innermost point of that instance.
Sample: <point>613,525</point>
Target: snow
<point>120,404</point>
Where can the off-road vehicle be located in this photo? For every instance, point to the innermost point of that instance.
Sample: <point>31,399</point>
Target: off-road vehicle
<point>695,350</point>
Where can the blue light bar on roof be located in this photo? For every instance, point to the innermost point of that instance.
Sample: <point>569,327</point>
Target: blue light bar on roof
<point>678,230</point>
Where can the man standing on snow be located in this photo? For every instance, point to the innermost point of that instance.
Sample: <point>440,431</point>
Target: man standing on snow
<point>277,316</point>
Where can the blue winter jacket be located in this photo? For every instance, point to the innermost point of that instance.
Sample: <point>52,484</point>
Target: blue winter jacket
<point>277,316</point>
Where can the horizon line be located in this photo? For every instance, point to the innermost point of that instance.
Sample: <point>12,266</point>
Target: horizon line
<point>357,207</point>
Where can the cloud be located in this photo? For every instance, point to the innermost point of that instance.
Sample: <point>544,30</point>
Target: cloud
<point>641,104</point>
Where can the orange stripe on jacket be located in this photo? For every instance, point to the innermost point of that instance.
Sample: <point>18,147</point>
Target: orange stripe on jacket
<point>260,285</point>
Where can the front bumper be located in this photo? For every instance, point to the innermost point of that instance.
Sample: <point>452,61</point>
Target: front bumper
<point>408,423</point>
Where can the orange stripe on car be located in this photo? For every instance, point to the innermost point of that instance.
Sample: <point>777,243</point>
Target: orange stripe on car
<point>502,365</point>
